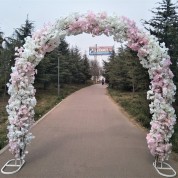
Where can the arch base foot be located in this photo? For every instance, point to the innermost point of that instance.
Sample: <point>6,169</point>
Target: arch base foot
<point>12,166</point>
<point>164,169</point>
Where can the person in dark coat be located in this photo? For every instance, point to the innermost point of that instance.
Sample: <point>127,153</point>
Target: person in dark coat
<point>102,81</point>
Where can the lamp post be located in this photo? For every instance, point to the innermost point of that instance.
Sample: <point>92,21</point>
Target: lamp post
<point>95,58</point>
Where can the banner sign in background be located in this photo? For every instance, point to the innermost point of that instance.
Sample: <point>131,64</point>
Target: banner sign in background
<point>101,50</point>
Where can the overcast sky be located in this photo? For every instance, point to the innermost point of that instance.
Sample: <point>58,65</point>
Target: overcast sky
<point>13,14</point>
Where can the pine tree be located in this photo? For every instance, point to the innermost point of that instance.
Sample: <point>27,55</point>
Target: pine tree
<point>134,69</point>
<point>1,62</point>
<point>1,39</point>
<point>43,76</point>
<point>86,68</point>
<point>123,71</point>
<point>17,40</point>
<point>5,63</point>
<point>164,25</point>
<point>77,66</point>
<point>48,67</point>
<point>106,65</point>
<point>95,70</point>
<point>24,31</point>
<point>72,67</point>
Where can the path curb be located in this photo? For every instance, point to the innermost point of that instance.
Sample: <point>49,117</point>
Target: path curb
<point>39,120</point>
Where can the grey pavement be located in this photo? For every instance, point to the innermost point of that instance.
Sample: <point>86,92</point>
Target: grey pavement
<point>87,136</point>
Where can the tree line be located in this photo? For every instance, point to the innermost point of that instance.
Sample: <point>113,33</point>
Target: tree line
<point>123,70</point>
<point>74,68</point>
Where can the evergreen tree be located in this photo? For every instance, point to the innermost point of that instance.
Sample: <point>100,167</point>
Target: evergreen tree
<point>43,75</point>
<point>1,63</point>
<point>77,66</point>
<point>117,71</point>
<point>17,40</point>
<point>72,67</point>
<point>24,31</point>
<point>48,67</point>
<point>106,66</point>
<point>86,68</point>
<point>137,76</point>
<point>63,53</point>
<point>95,70</point>
<point>164,25</point>
<point>1,39</point>
<point>123,71</point>
<point>5,64</point>
<point>63,48</point>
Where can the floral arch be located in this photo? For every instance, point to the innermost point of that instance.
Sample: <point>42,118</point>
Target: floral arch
<point>152,56</point>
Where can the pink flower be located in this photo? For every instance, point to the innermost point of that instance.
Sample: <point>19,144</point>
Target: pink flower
<point>155,125</point>
<point>103,15</point>
<point>96,31</point>
<point>159,138</point>
<point>142,52</point>
<point>171,75</point>
<point>91,16</point>
<point>15,77</point>
<point>106,31</point>
<point>167,62</point>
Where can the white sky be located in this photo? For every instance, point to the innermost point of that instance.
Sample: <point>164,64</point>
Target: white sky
<point>13,14</point>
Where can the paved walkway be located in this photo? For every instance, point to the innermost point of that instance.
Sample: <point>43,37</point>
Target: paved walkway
<point>87,136</point>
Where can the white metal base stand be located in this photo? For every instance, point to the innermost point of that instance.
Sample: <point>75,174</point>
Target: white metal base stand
<point>162,166</point>
<point>14,164</point>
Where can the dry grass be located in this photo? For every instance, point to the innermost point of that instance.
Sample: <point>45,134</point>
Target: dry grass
<point>138,106</point>
<point>135,104</point>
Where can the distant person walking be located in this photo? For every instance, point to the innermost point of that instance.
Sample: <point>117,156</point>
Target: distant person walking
<point>102,81</point>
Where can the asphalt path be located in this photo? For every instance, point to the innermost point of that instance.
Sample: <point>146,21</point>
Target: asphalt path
<point>87,136</point>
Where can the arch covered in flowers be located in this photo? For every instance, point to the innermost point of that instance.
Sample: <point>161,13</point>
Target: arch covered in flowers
<point>152,55</point>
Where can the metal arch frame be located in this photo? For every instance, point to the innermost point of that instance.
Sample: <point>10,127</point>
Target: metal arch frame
<point>164,166</point>
<point>16,163</point>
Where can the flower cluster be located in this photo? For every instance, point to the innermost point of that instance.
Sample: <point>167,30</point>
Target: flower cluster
<point>152,56</point>
<point>20,87</point>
